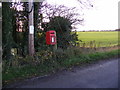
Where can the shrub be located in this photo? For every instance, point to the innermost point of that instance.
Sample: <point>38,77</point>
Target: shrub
<point>60,55</point>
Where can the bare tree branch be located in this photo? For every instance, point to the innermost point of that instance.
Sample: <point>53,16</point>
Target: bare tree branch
<point>51,11</point>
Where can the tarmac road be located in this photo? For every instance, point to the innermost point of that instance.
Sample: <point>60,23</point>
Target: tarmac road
<point>103,74</point>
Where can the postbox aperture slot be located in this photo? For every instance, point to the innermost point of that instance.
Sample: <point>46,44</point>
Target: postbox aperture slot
<point>52,33</point>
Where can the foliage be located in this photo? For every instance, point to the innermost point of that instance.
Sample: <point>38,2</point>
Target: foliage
<point>11,74</point>
<point>45,60</point>
<point>7,29</point>
<point>10,37</point>
<point>61,19</point>
<point>19,40</point>
<point>63,28</point>
<point>69,53</point>
<point>43,56</point>
<point>89,58</point>
<point>39,35</point>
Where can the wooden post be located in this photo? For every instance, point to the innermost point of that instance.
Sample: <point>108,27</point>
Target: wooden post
<point>31,29</point>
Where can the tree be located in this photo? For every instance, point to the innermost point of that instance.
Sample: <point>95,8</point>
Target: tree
<point>61,19</point>
<point>85,3</point>
<point>59,13</point>
<point>7,29</point>
<point>19,39</point>
<point>39,35</point>
<point>50,11</point>
<point>20,27</point>
<point>63,27</point>
<point>11,37</point>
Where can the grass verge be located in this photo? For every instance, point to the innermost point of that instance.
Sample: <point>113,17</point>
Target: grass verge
<point>14,74</point>
<point>88,58</point>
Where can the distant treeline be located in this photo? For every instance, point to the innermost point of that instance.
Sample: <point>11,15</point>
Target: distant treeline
<point>117,29</point>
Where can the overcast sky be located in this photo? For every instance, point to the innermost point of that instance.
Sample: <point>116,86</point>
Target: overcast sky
<point>103,15</point>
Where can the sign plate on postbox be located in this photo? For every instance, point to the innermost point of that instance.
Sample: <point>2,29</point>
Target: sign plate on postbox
<point>53,40</point>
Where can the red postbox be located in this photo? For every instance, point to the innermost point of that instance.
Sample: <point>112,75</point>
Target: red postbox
<point>51,37</point>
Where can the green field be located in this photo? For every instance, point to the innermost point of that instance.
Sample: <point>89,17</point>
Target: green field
<point>102,39</point>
